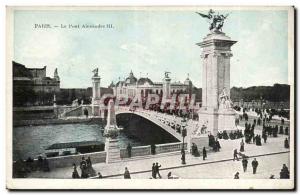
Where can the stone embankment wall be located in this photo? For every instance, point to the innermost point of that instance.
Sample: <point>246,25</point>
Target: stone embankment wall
<point>17,123</point>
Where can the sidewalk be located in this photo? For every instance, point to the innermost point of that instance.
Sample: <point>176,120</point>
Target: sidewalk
<point>172,161</point>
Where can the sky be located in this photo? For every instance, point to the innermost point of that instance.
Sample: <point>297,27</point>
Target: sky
<point>150,43</point>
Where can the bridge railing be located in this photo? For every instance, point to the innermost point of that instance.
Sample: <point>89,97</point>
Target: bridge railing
<point>136,151</point>
<point>169,147</point>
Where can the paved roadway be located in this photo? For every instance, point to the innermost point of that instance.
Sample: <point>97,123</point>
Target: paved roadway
<point>217,165</point>
<point>270,164</point>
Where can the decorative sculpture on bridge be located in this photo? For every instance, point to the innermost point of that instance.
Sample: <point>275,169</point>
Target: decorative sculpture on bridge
<point>95,71</point>
<point>75,102</point>
<point>224,100</point>
<point>200,130</point>
<point>216,20</point>
<point>167,74</point>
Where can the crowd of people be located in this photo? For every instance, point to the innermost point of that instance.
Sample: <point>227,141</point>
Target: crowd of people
<point>195,152</point>
<point>274,130</point>
<point>22,168</point>
<point>214,143</point>
<point>86,169</point>
<point>232,135</point>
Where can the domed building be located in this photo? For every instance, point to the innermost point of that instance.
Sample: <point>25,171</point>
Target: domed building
<point>131,86</point>
<point>131,79</point>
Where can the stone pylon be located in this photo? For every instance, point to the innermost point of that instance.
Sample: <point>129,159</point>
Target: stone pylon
<point>111,132</point>
<point>96,94</point>
<point>216,112</point>
<point>167,86</point>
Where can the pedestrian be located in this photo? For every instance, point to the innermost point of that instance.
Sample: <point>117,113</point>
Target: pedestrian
<point>84,173</point>
<point>157,169</point>
<point>126,174</point>
<point>169,175</point>
<point>254,165</point>
<point>129,148</point>
<point>89,162</point>
<point>245,163</point>
<point>75,174</point>
<point>258,140</point>
<point>235,155</point>
<point>82,163</point>
<point>153,149</point>
<point>100,175</point>
<point>40,162</point>
<point>254,139</point>
<point>183,157</point>
<point>204,153</point>
<point>282,121</point>
<point>218,145</point>
<point>286,131</point>
<point>264,136</point>
<point>237,175</point>
<point>29,164</point>
<point>86,112</point>
<point>284,173</point>
<point>46,165</point>
<point>153,171</point>
<point>242,149</point>
<point>286,143</point>
<point>281,129</point>
<point>195,151</point>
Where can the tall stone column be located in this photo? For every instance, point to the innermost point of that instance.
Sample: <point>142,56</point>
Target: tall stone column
<point>167,86</point>
<point>216,53</point>
<point>96,94</point>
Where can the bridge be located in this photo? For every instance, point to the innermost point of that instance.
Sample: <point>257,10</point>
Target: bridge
<point>170,123</point>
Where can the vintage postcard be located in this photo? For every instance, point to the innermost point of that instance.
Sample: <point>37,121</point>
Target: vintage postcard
<point>150,98</point>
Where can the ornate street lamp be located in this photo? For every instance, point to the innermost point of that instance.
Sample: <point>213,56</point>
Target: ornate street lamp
<point>183,134</point>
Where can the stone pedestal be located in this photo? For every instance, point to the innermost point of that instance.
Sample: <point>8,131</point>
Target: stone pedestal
<point>217,120</point>
<point>226,120</point>
<point>112,150</point>
<point>209,117</point>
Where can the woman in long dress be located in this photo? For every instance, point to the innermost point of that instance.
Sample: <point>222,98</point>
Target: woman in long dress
<point>75,174</point>
<point>242,149</point>
<point>126,174</point>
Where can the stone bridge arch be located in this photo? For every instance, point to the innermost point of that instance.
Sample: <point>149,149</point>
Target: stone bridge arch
<point>147,116</point>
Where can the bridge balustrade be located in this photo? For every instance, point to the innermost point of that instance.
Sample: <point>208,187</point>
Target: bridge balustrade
<point>136,151</point>
<point>169,147</point>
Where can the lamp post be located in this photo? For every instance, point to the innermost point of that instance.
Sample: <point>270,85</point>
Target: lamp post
<point>183,134</point>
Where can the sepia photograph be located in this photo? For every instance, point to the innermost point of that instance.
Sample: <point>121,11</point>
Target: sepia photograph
<point>158,97</point>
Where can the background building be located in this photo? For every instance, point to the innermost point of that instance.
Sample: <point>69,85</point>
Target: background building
<point>31,86</point>
<point>143,86</point>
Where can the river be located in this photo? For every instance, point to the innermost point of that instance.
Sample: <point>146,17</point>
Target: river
<point>33,140</point>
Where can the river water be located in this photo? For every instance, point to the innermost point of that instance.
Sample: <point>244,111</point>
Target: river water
<point>33,140</point>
